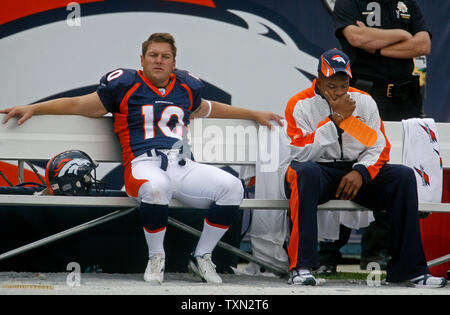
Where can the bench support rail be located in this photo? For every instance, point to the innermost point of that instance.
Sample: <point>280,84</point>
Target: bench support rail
<point>66,233</point>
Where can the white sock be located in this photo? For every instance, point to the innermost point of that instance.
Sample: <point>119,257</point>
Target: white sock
<point>155,242</point>
<point>209,238</point>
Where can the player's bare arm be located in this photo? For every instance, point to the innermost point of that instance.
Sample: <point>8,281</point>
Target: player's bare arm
<point>88,105</point>
<point>371,39</point>
<point>418,45</point>
<point>221,110</point>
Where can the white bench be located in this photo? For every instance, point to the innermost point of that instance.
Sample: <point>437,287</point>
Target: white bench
<point>214,141</point>
<point>42,137</point>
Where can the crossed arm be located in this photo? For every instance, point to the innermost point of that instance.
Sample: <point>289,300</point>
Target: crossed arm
<point>394,43</point>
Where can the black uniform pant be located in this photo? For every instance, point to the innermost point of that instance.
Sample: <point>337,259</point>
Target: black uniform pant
<point>394,189</point>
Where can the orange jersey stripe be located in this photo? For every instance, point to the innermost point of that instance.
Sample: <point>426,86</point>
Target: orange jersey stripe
<point>124,102</point>
<point>359,130</point>
<point>190,95</point>
<point>292,130</point>
<point>295,133</point>
<point>308,139</point>
<point>154,88</point>
<point>384,156</point>
<point>121,126</point>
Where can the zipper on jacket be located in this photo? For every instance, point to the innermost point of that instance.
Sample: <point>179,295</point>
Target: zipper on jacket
<point>339,131</point>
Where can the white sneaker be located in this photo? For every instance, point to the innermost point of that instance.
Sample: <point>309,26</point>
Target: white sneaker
<point>428,281</point>
<point>154,273</point>
<point>302,276</point>
<point>204,268</point>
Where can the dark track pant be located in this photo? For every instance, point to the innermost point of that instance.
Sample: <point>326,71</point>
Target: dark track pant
<point>393,189</point>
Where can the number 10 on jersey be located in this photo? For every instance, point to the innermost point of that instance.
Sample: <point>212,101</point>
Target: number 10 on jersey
<point>162,121</point>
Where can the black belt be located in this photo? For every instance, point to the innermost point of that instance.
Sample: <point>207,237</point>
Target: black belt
<point>390,89</point>
<point>396,89</point>
<point>164,158</point>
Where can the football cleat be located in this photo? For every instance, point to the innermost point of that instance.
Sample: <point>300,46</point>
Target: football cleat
<point>204,268</point>
<point>154,273</point>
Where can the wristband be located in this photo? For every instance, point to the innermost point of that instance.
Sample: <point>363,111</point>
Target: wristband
<point>210,108</point>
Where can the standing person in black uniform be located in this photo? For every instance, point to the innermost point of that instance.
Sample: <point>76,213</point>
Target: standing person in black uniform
<point>381,37</point>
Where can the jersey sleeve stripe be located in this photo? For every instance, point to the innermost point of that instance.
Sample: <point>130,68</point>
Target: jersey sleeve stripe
<point>295,133</point>
<point>121,126</point>
<point>124,103</point>
<point>190,95</point>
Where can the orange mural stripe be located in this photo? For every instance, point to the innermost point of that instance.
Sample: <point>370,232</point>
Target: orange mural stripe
<point>13,10</point>
<point>206,3</point>
<point>11,172</point>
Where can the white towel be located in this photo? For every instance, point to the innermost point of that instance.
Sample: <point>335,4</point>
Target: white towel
<point>269,228</point>
<point>328,222</point>
<point>421,153</point>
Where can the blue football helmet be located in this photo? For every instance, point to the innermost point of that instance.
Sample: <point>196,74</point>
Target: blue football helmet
<point>70,173</point>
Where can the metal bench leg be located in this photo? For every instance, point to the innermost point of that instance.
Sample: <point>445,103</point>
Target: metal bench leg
<point>438,261</point>
<point>238,252</point>
<point>60,235</point>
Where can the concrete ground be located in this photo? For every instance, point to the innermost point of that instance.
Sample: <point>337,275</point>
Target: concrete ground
<point>26,283</point>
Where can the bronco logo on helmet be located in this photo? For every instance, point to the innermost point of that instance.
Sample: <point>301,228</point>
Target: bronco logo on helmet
<point>69,173</point>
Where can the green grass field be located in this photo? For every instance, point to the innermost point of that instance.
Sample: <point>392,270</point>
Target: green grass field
<point>349,276</point>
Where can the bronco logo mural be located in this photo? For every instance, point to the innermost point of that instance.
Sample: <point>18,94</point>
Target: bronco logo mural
<point>243,57</point>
